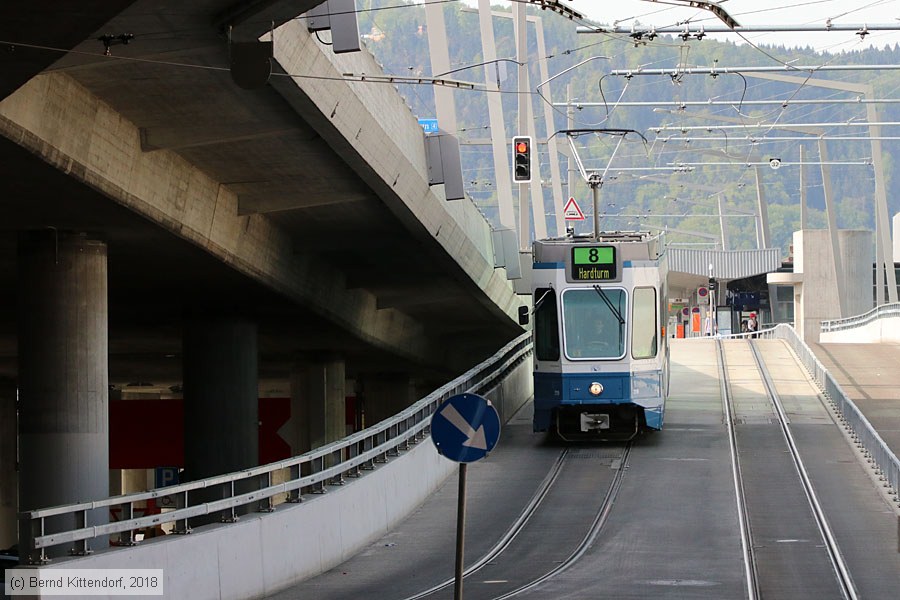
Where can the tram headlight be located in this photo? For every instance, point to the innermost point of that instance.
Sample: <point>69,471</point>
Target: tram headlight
<point>596,388</point>
<point>645,385</point>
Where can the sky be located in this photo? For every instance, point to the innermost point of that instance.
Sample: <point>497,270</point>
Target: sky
<point>760,12</point>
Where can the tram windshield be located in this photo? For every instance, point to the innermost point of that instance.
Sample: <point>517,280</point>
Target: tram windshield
<point>594,327</point>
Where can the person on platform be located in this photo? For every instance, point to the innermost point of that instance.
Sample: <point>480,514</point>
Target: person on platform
<point>752,325</point>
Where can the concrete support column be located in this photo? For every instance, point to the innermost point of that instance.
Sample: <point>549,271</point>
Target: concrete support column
<point>720,199</point>
<point>831,216</point>
<point>8,478</point>
<point>818,298</point>
<point>221,397</point>
<point>318,410</point>
<point>762,214</point>
<point>856,255</point>
<point>385,395</point>
<point>499,143</point>
<point>63,371</point>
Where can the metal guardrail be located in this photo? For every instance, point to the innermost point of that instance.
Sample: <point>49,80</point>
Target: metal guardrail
<point>879,312</point>
<point>861,430</point>
<point>256,489</point>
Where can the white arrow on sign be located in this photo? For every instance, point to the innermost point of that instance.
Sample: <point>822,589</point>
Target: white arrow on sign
<point>475,439</point>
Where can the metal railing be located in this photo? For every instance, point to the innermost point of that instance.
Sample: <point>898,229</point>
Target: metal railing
<point>879,312</point>
<point>733,336</point>
<point>256,490</point>
<point>861,430</point>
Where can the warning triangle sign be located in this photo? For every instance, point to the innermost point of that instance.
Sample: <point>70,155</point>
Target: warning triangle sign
<point>572,211</point>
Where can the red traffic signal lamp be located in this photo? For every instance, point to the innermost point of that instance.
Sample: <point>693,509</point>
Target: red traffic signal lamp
<point>522,159</point>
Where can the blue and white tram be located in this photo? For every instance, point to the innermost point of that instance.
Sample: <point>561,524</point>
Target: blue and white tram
<point>600,349</point>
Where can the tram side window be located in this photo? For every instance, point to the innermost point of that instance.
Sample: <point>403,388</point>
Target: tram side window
<point>546,325</point>
<point>644,331</point>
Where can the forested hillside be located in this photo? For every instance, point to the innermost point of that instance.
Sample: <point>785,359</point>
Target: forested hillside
<point>643,181</point>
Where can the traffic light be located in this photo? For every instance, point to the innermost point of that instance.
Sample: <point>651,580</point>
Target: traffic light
<point>522,159</point>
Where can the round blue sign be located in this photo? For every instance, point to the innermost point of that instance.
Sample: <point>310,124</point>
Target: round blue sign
<point>465,428</point>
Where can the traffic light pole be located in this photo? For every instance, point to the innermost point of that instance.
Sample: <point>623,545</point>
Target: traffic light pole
<point>521,57</point>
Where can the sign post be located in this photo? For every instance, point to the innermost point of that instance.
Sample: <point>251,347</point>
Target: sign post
<point>464,428</point>
<point>713,304</point>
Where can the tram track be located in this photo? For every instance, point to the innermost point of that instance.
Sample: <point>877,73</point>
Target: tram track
<point>842,572</point>
<point>750,574</point>
<point>504,546</point>
<point>589,539</point>
<point>754,573</point>
<point>506,539</point>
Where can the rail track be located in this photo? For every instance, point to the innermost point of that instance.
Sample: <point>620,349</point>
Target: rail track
<point>754,574</point>
<point>505,544</point>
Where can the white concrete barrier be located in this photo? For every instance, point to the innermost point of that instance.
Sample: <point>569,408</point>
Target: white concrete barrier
<point>878,331</point>
<point>266,552</point>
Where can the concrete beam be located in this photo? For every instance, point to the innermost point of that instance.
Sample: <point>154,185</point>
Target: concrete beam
<point>281,194</point>
<point>252,18</point>
<point>269,202</point>
<point>41,23</point>
<point>58,120</point>
<point>404,297</point>
<point>373,129</point>
<point>176,138</point>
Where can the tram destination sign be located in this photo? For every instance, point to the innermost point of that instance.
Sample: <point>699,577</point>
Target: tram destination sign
<point>594,263</point>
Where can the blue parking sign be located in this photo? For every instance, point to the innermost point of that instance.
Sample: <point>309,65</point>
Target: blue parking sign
<point>166,476</point>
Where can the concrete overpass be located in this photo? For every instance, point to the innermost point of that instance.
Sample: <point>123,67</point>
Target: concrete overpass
<point>297,219</point>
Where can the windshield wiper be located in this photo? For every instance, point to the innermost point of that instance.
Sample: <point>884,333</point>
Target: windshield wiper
<point>540,301</point>
<point>612,308</point>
